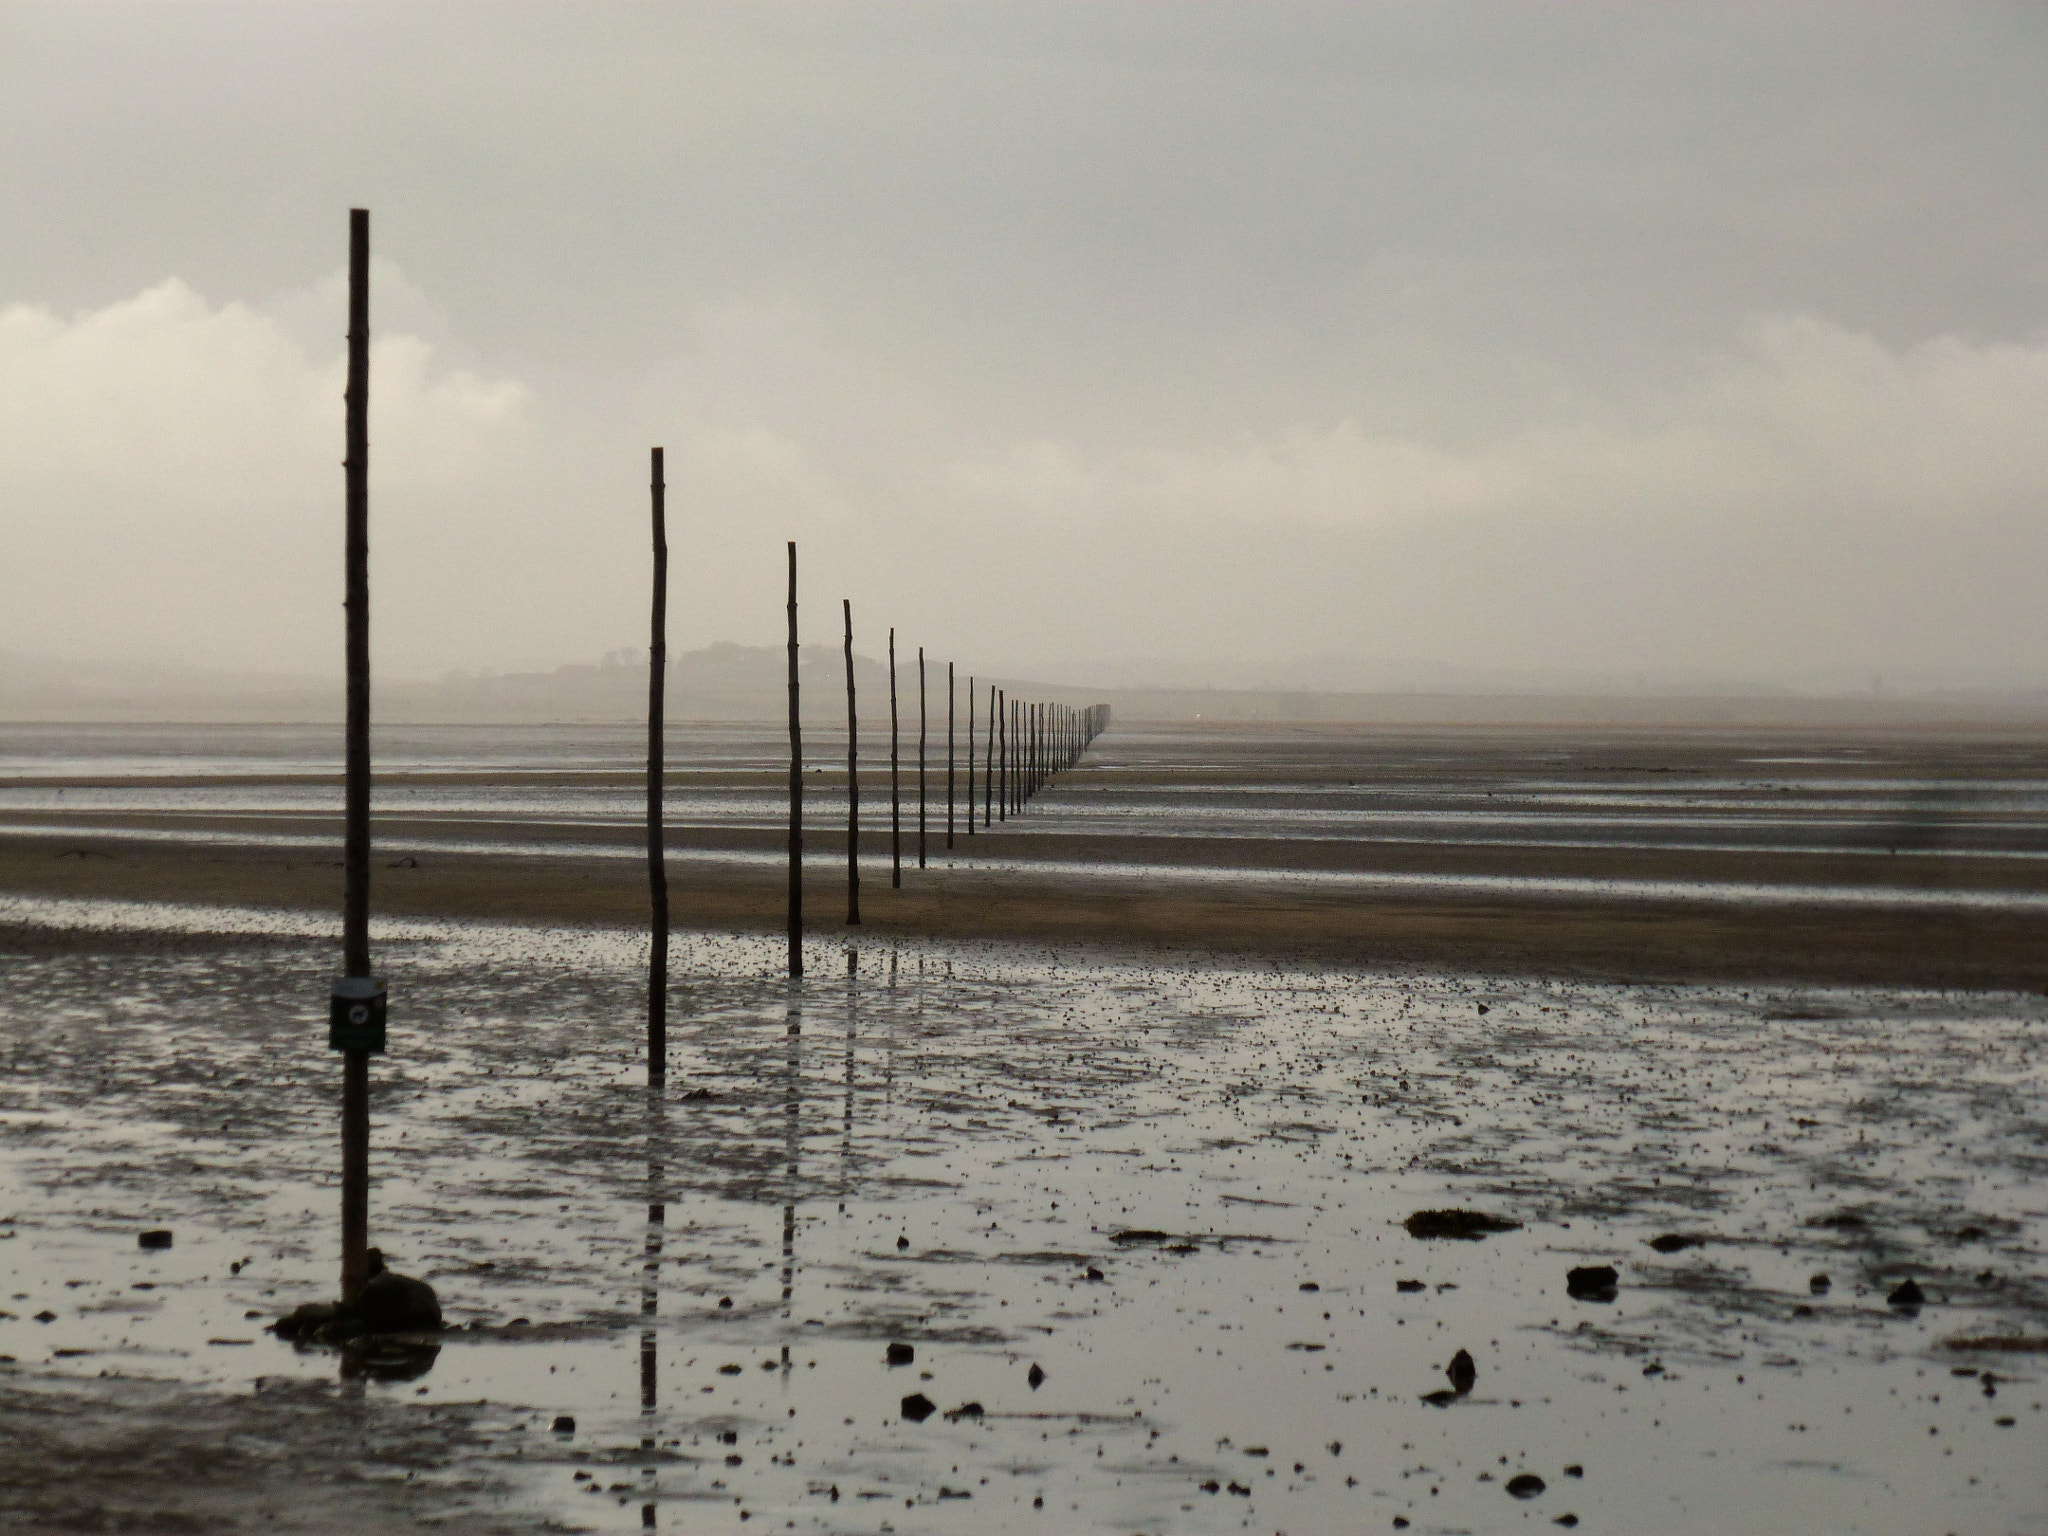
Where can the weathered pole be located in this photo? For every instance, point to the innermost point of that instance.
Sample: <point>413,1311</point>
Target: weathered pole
<point>921,726</point>
<point>852,779</point>
<point>355,859</point>
<point>949,754</point>
<point>1002,704</point>
<point>657,869</point>
<point>988,766</point>
<point>796,793</point>
<point>970,755</point>
<point>895,778</point>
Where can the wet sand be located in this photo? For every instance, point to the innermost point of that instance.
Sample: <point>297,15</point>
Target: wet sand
<point>1873,857</point>
<point>1177,1188</point>
<point>1263,909</point>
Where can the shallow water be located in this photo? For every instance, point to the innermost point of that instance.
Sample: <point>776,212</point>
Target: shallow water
<point>1689,791</point>
<point>937,1145</point>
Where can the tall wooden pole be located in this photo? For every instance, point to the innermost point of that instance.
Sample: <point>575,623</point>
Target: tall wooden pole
<point>949,753</point>
<point>988,766</point>
<point>921,728</point>
<point>355,922</point>
<point>895,777</point>
<point>657,868</point>
<point>796,793</point>
<point>971,818</point>
<point>852,780</point>
<point>1003,749</point>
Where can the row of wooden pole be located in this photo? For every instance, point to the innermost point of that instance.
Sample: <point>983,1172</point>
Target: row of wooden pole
<point>1028,744</point>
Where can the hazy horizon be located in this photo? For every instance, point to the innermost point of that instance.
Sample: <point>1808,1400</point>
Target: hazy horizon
<point>1615,341</point>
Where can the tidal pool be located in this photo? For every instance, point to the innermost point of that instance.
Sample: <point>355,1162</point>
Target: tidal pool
<point>1139,1220</point>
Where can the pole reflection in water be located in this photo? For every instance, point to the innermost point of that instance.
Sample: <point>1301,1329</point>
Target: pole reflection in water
<point>650,1292</point>
<point>852,1034</point>
<point>792,1115</point>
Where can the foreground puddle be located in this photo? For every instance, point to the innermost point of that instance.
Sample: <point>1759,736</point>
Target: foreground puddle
<point>1140,1225</point>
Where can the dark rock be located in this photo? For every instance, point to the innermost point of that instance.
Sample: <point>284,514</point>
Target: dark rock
<point>1442,1397</point>
<point>1468,1226</point>
<point>565,1424</point>
<point>730,1369</point>
<point>1482,1007</point>
<point>917,1407</point>
<point>1239,1489</point>
<point>1212,1486</point>
<point>1907,1293</point>
<point>306,1320</point>
<point>1462,1371</point>
<point>965,1411</point>
<point>1819,1285</point>
<point>160,1238</point>
<point>1566,1520</point>
<point>1035,1376</point>
<point>1410,1285</point>
<point>395,1303</point>
<point>902,1354</point>
<point>1310,1285</point>
<point>1525,1485</point>
<point>1575,1470</point>
<point>1591,1282</point>
<point>46,1316</point>
<point>1094,1273</point>
<point>725,1303</point>
<point>1971,1234</point>
<point>902,1243</point>
<point>1672,1242</point>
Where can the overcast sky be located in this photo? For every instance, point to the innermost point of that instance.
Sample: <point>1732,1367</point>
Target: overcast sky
<point>1704,339</point>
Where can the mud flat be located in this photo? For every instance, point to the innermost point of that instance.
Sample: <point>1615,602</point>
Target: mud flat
<point>1872,857</point>
<point>1178,1188</point>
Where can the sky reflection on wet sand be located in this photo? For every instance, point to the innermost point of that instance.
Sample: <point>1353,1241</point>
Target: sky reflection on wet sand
<point>939,1147</point>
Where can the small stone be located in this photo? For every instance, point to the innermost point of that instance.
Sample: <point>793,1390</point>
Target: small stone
<point>1591,1282</point>
<point>1672,1242</point>
<point>565,1424</point>
<point>46,1316</point>
<point>902,1243</point>
<point>1575,1470</point>
<point>1035,1376</point>
<point>1094,1273</point>
<point>902,1354</point>
<point>1525,1485</point>
<point>1410,1285</point>
<point>1566,1520</point>
<point>1907,1293</point>
<point>1819,1285</point>
<point>1310,1285</point>
<point>1463,1372</point>
<point>725,1303</point>
<point>1442,1397</point>
<point>917,1407</point>
<point>965,1411</point>
<point>160,1238</point>
<point>1482,1007</point>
